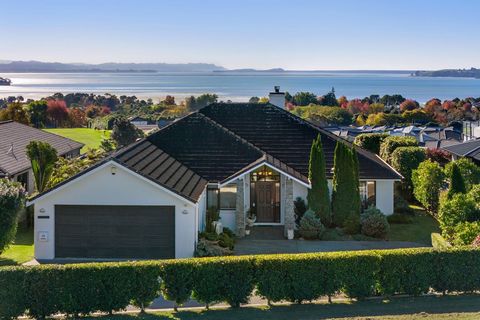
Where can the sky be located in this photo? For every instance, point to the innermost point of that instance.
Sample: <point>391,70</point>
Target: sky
<point>295,34</point>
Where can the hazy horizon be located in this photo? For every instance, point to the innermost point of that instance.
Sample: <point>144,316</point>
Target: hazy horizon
<point>300,35</point>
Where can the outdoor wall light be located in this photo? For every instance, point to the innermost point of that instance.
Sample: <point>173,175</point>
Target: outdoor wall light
<point>113,170</point>
<point>185,211</point>
<point>42,210</point>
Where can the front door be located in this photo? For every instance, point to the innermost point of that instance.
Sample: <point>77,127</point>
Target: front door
<point>267,196</point>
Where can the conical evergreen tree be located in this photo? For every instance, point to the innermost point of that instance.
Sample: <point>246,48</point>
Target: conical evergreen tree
<point>345,186</point>
<point>318,196</point>
<point>357,205</point>
<point>457,185</point>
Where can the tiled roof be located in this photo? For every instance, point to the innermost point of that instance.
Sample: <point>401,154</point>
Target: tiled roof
<point>14,138</point>
<point>155,164</point>
<point>288,138</point>
<point>466,149</point>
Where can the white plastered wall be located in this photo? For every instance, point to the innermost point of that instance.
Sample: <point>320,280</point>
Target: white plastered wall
<point>100,187</point>
<point>384,195</point>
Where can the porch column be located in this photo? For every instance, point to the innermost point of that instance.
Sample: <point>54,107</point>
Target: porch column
<point>289,208</point>
<point>240,210</point>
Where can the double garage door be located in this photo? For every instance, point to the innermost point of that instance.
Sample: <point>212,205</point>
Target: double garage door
<point>136,232</point>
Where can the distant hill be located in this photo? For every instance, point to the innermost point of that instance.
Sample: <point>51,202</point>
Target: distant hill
<point>458,73</point>
<point>253,70</point>
<point>37,66</point>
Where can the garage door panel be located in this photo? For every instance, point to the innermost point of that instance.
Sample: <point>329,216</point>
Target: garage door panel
<point>115,231</point>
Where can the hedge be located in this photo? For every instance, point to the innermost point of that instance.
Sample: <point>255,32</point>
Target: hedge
<point>80,289</point>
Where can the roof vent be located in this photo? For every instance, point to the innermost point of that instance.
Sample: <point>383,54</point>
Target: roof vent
<point>10,151</point>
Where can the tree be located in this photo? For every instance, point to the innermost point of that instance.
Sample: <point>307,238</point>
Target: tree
<point>318,196</point>
<point>12,199</point>
<point>201,101</point>
<point>124,133</point>
<point>427,182</point>
<point>57,112</point>
<point>391,143</point>
<point>469,170</point>
<point>37,112</point>
<point>42,157</point>
<point>370,141</point>
<point>253,100</point>
<point>405,160</point>
<point>409,105</point>
<point>457,185</point>
<point>322,115</point>
<point>77,117</point>
<point>344,207</point>
<point>304,98</point>
<point>14,111</point>
<point>330,99</point>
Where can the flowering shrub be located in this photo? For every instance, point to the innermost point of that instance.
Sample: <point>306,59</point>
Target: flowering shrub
<point>12,199</point>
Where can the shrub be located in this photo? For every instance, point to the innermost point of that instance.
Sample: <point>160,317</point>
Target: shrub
<point>405,160</point>
<point>469,171</point>
<point>42,158</point>
<point>177,280</point>
<point>318,196</point>
<point>457,185</point>
<point>13,297</point>
<point>466,232</point>
<point>352,225</point>
<point>310,226</point>
<point>370,141</point>
<point>209,248</point>
<point>401,206</point>
<point>427,182</point>
<point>345,194</point>
<point>391,143</point>
<point>439,242</point>
<point>300,207</point>
<point>374,223</point>
<point>12,199</point>
<point>460,208</point>
<point>225,279</point>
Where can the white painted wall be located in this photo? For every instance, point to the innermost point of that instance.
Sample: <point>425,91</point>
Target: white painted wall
<point>384,195</point>
<point>202,210</point>
<point>299,190</point>
<point>100,187</point>
<point>227,218</point>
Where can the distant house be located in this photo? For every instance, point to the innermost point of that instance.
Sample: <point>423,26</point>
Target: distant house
<point>14,137</point>
<point>143,124</point>
<point>150,199</point>
<point>469,149</point>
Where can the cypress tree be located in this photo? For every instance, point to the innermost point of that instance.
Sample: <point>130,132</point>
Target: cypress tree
<point>318,196</point>
<point>345,196</point>
<point>457,185</point>
<point>357,205</point>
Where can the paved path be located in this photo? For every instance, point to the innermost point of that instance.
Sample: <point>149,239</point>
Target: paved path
<point>248,246</point>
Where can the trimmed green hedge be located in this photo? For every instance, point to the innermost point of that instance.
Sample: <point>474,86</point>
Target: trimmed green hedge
<point>80,289</point>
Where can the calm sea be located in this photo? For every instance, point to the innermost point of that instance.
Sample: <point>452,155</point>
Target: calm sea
<point>239,86</point>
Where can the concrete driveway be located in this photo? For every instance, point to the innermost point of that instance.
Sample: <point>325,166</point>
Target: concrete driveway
<point>250,246</point>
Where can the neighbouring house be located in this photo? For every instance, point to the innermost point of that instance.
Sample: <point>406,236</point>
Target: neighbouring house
<point>150,199</point>
<point>143,124</point>
<point>469,149</point>
<point>14,162</point>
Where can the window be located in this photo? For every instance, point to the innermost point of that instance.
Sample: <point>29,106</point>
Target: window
<point>228,197</point>
<point>367,193</point>
<point>224,198</point>
<point>264,173</point>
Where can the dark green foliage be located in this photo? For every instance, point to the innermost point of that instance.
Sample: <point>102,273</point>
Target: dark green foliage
<point>300,207</point>
<point>469,170</point>
<point>311,226</point>
<point>318,196</point>
<point>12,199</point>
<point>345,185</point>
<point>322,115</point>
<point>374,223</point>
<point>124,133</point>
<point>194,103</point>
<point>370,141</point>
<point>304,98</point>
<point>42,157</point>
<point>82,289</point>
<point>228,280</point>
<point>412,272</point>
<point>457,185</point>
<point>391,143</point>
<point>37,113</point>
<point>405,160</point>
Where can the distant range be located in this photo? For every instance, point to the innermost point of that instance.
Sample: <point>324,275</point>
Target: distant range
<point>34,80</point>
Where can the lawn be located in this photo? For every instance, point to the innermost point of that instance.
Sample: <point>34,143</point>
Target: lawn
<point>465,307</point>
<point>90,137</point>
<point>21,250</point>
<point>419,230</point>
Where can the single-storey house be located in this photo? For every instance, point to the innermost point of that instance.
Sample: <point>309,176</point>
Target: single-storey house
<point>14,162</point>
<point>149,200</point>
<point>469,149</point>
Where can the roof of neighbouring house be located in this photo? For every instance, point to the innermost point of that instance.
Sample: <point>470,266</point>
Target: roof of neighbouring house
<point>469,149</point>
<point>224,140</point>
<point>14,138</point>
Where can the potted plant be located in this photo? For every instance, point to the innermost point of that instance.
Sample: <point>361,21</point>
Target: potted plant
<point>247,231</point>
<point>251,217</point>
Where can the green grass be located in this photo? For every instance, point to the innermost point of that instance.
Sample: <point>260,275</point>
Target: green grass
<point>90,137</point>
<point>465,307</point>
<point>420,230</point>
<point>21,250</point>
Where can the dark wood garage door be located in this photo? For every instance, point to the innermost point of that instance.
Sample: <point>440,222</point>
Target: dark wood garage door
<point>138,232</point>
